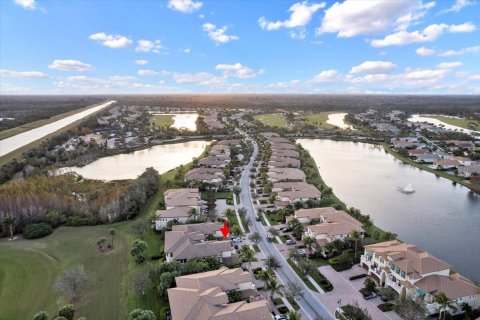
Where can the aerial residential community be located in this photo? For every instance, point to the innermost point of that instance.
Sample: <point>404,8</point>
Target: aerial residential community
<point>239,160</point>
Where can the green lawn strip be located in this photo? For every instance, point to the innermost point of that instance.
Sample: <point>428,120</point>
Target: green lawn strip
<point>466,123</point>
<point>293,303</point>
<point>442,174</point>
<point>318,262</point>
<point>272,119</point>
<point>33,266</point>
<point>272,218</point>
<point>302,275</point>
<point>162,121</point>
<point>320,120</point>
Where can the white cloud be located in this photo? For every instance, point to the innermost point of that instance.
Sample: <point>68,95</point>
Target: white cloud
<point>474,77</point>
<point>236,70</point>
<point>185,6</point>
<point>70,65</point>
<point>122,78</point>
<point>430,33</point>
<point>201,78</point>
<point>301,14</point>
<point>27,4</point>
<point>327,76</point>
<point>187,50</point>
<point>354,17</point>
<point>374,67</point>
<point>22,74</point>
<point>141,62</point>
<point>424,51</point>
<point>147,46</point>
<point>450,53</point>
<point>111,41</point>
<point>449,65</point>
<point>465,27</point>
<point>459,5</point>
<point>218,34</point>
<point>147,72</point>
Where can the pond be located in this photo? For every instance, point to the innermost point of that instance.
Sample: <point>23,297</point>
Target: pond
<point>130,165</point>
<point>440,217</point>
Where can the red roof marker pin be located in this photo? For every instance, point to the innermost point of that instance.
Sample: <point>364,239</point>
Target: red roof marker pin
<point>225,229</point>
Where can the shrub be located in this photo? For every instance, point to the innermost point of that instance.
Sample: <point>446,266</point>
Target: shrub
<point>358,276</point>
<point>42,315</point>
<point>283,309</point>
<point>67,311</point>
<point>37,230</point>
<point>385,307</point>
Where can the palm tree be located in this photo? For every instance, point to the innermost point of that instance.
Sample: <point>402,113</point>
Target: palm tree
<point>9,222</point>
<point>354,236</point>
<point>255,237</point>
<point>272,263</point>
<point>192,213</point>
<point>274,287</point>
<point>247,254</point>
<point>309,242</point>
<point>294,315</point>
<point>445,303</point>
<point>265,275</point>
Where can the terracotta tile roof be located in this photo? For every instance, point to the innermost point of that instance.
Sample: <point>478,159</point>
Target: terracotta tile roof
<point>181,197</point>
<point>408,257</point>
<point>454,286</point>
<point>333,229</point>
<point>178,212</point>
<point>203,296</point>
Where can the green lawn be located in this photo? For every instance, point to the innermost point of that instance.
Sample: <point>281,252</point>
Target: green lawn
<point>320,119</point>
<point>28,270</point>
<point>272,119</point>
<point>163,120</point>
<point>459,122</point>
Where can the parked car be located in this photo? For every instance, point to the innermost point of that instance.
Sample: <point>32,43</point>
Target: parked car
<point>281,317</point>
<point>237,239</point>
<point>369,295</point>
<point>258,219</point>
<point>269,239</point>
<point>302,252</point>
<point>290,242</point>
<point>286,229</point>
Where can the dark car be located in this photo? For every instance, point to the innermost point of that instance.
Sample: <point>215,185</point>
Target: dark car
<point>286,229</point>
<point>369,295</point>
<point>258,219</point>
<point>269,239</point>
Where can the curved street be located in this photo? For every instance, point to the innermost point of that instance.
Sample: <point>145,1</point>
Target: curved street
<point>309,303</point>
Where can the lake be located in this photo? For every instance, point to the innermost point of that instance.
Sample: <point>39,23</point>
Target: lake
<point>130,165</point>
<point>17,141</point>
<point>426,118</point>
<point>442,218</point>
<point>338,119</point>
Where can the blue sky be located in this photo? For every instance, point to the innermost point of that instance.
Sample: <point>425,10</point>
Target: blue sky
<point>185,46</point>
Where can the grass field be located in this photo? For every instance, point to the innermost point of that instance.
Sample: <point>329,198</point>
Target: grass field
<point>162,121</point>
<point>28,270</point>
<point>272,119</point>
<point>320,120</point>
<point>459,122</point>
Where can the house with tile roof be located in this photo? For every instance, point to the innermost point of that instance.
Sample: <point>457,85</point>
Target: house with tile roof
<point>198,240</point>
<point>204,296</point>
<point>416,274</point>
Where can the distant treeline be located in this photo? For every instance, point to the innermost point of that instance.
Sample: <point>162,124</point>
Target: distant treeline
<point>445,104</point>
<point>25,109</point>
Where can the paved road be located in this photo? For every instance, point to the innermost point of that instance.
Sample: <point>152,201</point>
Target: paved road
<point>310,304</point>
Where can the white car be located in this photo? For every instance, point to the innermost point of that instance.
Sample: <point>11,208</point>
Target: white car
<point>281,317</point>
<point>237,239</point>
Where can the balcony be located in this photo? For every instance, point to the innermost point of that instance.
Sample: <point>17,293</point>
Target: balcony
<point>394,285</point>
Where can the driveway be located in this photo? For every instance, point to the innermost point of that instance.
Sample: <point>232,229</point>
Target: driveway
<point>348,293</point>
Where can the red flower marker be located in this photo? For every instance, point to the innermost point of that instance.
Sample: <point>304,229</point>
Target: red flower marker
<point>225,229</point>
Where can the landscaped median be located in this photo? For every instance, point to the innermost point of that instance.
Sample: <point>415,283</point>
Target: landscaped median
<point>304,270</point>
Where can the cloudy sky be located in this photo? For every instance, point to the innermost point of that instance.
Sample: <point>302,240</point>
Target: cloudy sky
<point>186,46</point>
